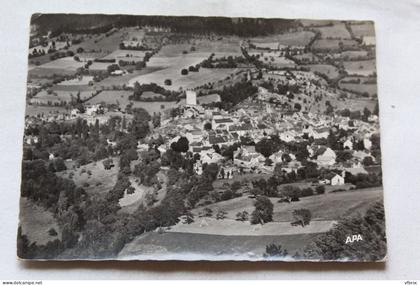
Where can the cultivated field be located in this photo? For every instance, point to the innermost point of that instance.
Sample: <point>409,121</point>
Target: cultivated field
<point>34,110</point>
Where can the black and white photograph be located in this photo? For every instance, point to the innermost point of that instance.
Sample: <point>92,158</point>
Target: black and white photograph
<point>152,137</point>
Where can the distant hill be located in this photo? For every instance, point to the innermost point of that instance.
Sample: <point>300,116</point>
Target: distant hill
<point>94,23</point>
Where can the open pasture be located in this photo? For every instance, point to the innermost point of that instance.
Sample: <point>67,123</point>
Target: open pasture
<point>329,70</point>
<point>99,182</point>
<point>58,96</point>
<point>112,97</point>
<point>172,67</point>
<point>170,245</point>
<point>363,68</point>
<point>363,29</point>
<point>300,38</point>
<point>337,31</point>
<point>36,222</point>
<point>325,207</point>
<point>334,44</point>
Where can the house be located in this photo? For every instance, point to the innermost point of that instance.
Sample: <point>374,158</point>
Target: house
<point>348,144</point>
<point>367,143</point>
<point>325,157</point>
<point>337,180</point>
<point>333,179</point>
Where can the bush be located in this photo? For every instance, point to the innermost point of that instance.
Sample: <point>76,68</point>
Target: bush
<point>184,71</point>
<point>263,212</point>
<point>273,250</point>
<point>242,216</point>
<point>52,232</point>
<point>168,82</point>
<point>302,217</point>
<point>320,189</point>
<point>221,215</point>
<point>307,192</point>
<point>226,195</point>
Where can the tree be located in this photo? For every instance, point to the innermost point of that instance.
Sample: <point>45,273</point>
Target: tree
<point>332,246</point>
<point>221,215</point>
<point>320,189</point>
<point>168,82</point>
<point>367,161</point>
<point>242,216</point>
<point>293,192</point>
<point>263,212</point>
<point>184,71</point>
<point>273,250</point>
<point>302,217</point>
<point>182,145</point>
<point>207,126</point>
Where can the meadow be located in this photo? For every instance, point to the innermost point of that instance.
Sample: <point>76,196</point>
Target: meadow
<point>363,68</point>
<point>334,44</point>
<point>36,222</point>
<point>337,31</point>
<point>300,38</point>
<point>329,70</point>
<point>363,29</point>
<point>188,246</point>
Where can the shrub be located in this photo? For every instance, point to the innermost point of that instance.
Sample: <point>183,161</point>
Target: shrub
<point>273,250</point>
<point>184,71</point>
<point>208,212</point>
<point>221,215</point>
<point>226,195</point>
<point>302,217</point>
<point>307,192</point>
<point>320,189</point>
<point>242,216</point>
<point>52,232</point>
<point>168,82</point>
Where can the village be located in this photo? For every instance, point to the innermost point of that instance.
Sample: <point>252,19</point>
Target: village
<point>152,136</point>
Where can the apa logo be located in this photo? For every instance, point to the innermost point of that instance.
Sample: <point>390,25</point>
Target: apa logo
<point>354,238</point>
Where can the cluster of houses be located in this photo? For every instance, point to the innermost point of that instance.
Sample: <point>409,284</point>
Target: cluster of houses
<point>209,129</point>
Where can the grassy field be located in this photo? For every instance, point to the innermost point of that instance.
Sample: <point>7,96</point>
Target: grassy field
<point>129,55</point>
<point>101,180</point>
<point>36,222</point>
<point>84,80</point>
<point>300,38</point>
<point>371,89</point>
<point>363,68</point>
<point>329,70</point>
<point>66,63</point>
<point>338,30</point>
<point>58,96</point>
<point>189,246</point>
<point>112,97</point>
<point>363,29</point>
<point>34,110</point>
<point>330,206</point>
<point>334,44</point>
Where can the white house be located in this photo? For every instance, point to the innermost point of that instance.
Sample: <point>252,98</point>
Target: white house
<point>348,144</point>
<point>337,180</point>
<point>327,158</point>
